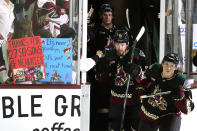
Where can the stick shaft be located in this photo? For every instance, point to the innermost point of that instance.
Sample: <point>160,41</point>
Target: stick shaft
<point>157,94</point>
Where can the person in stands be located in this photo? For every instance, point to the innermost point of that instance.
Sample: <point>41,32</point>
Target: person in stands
<point>22,29</point>
<point>6,32</point>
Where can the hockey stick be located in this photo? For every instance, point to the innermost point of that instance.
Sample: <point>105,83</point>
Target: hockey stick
<point>187,87</point>
<point>154,95</point>
<point>136,40</point>
<point>91,11</point>
<point>138,36</point>
<point>127,17</point>
<point>128,81</point>
<point>164,93</point>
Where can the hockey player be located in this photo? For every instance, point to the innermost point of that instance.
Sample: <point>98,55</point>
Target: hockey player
<point>100,38</point>
<point>100,34</point>
<point>163,112</point>
<point>114,67</point>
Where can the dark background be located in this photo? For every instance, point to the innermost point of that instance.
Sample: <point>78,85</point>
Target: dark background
<point>141,13</point>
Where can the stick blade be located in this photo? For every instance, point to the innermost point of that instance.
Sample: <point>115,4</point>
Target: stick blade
<point>127,17</point>
<point>142,30</point>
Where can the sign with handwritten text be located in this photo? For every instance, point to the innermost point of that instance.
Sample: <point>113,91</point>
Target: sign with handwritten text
<point>26,59</point>
<point>57,59</point>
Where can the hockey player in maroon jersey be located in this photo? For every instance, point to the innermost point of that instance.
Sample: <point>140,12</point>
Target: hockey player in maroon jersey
<point>114,67</point>
<point>163,112</point>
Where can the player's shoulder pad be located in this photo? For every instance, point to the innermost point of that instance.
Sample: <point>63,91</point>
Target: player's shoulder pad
<point>138,52</point>
<point>180,79</point>
<point>155,68</point>
<point>110,53</point>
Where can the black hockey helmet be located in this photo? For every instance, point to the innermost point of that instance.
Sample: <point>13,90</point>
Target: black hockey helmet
<point>121,36</point>
<point>105,8</point>
<point>171,57</point>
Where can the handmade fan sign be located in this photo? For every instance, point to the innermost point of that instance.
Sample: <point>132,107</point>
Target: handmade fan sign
<point>58,59</point>
<point>26,59</point>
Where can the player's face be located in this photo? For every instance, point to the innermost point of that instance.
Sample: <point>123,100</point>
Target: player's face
<point>121,48</point>
<point>168,69</point>
<point>107,18</point>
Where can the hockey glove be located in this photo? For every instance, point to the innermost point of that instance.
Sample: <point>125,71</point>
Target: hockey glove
<point>178,93</point>
<point>188,95</point>
<point>133,69</point>
<point>102,66</point>
<point>192,105</point>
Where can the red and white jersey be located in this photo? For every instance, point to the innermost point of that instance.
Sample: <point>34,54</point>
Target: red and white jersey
<point>55,20</point>
<point>42,2</point>
<point>53,24</point>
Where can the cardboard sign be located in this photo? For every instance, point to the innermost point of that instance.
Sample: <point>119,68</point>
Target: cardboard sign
<point>26,59</point>
<point>58,59</point>
<point>40,109</point>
